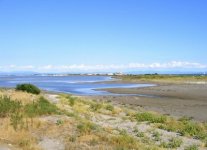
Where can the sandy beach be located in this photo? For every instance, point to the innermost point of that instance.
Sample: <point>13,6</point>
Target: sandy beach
<point>174,99</point>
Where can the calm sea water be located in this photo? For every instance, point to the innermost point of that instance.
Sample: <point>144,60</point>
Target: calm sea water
<point>79,85</point>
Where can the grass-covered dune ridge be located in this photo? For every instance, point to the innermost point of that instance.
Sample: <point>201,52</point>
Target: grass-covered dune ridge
<point>33,122</point>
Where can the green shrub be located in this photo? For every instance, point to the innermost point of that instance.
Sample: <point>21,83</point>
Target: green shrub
<point>71,100</point>
<point>140,134</point>
<point>171,125</point>
<point>109,107</point>
<point>12,109</point>
<point>185,118</point>
<point>192,147</point>
<point>135,130</point>
<point>205,141</point>
<point>95,106</point>
<point>123,132</point>
<point>8,106</point>
<point>152,118</point>
<point>193,129</point>
<point>16,111</point>
<point>72,138</point>
<point>86,127</point>
<point>59,122</point>
<point>28,88</point>
<point>93,142</point>
<point>157,136</point>
<point>41,107</point>
<point>124,142</point>
<point>146,140</point>
<point>186,127</point>
<point>173,143</point>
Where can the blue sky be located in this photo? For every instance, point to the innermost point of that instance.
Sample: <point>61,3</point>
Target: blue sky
<point>113,35</point>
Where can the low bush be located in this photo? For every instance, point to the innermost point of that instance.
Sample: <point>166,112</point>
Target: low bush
<point>41,107</point>
<point>185,118</point>
<point>171,125</point>
<point>71,100</point>
<point>157,136</point>
<point>59,122</point>
<point>124,141</point>
<point>173,143</point>
<point>95,106</point>
<point>16,111</point>
<point>8,106</point>
<point>192,129</point>
<point>191,147</point>
<point>12,109</point>
<point>186,127</point>
<point>150,117</point>
<point>140,134</point>
<point>109,107</point>
<point>30,88</point>
<point>86,127</point>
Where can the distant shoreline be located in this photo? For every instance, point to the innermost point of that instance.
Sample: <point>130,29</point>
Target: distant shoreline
<point>174,98</point>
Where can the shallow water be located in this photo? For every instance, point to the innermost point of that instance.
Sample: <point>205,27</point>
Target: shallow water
<point>79,85</point>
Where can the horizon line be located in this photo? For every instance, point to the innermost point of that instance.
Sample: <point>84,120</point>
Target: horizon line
<point>156,66</point>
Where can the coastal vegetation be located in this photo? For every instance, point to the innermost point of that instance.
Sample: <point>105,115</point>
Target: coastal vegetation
<point>165,78</point>
<point>16,111</point>
<point>30,88</point>
<point>28,121</point>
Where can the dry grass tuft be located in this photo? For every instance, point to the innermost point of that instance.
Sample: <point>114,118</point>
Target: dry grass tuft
<point>22,138</point>
<point>24,97</point>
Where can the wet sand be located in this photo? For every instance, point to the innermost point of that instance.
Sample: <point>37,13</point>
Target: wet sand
<point>173,99</point>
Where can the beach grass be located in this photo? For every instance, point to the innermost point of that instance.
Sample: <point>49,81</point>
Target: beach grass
<point>150,117</point>
<point>84,123</point>
<point>185,128</point>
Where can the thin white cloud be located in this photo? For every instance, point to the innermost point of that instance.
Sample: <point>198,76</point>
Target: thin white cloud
<point>111,67</point>
<point>47,67</point>
<point>169,65</point>
<point>26,67</point>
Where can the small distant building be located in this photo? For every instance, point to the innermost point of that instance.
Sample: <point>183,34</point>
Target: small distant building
<point>110,74</point>
<point>118,74</point>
